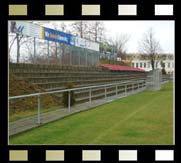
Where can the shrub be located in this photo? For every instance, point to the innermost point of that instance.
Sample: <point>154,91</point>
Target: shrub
<point>65,95</point>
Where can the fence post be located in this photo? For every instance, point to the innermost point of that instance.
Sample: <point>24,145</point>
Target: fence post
<point>90,96</point>
<point>69,99</point>
<point>34,41</point>
<point>61,53</point>
<point>70,57</point>
<point>86,63</point>
<point>48,52</point>
<point>92,61</point>
<point>79,60</point>
<point>39,111</point>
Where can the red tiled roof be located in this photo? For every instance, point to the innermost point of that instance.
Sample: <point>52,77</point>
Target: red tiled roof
<point>121,68</point>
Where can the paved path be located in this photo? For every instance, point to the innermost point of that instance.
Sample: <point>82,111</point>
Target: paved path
<point>31,122</point>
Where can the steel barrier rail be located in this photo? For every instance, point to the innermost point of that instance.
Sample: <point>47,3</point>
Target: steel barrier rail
<point>72,89</point>
<point>90,89</point>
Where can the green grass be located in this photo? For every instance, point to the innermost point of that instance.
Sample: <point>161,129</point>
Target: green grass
<point>144,118</point>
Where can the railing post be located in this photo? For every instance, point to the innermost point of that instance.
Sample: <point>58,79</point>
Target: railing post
<point>125,92</point>
<point>137,88</point>
<point>116,90</point>
<point>69,99</point>
<point>39,111</point>
<point>132,88</point>
<point>90,96</point>
<point>144,85</point>
<point>141,86</point>
<point>105,93</point>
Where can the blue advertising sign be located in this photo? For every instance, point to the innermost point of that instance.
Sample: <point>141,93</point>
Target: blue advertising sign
<point>57,36</point>
<point>61,37</point>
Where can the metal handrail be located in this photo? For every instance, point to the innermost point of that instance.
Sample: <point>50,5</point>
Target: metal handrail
<point>105,86</point>
<point>72,89</point>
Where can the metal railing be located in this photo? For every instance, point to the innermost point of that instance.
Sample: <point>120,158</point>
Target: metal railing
<point>134,86</point>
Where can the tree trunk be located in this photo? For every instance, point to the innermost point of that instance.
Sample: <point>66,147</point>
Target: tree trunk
<point>152,64</point>
<point>18,48</point>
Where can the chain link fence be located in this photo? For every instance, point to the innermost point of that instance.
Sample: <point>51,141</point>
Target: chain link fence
<point>24,49</point>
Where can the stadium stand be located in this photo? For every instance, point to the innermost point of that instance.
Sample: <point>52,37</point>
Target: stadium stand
<point>54,77</point>
<point>121,68</point>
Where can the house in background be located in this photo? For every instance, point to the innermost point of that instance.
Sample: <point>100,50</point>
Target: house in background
<point>143,62</point>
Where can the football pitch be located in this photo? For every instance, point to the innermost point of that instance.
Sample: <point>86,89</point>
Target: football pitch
<point>143,118</point>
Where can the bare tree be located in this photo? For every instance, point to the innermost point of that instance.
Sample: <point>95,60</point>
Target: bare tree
<point>20,40</point>
<point>150,46</point>
<point>80,28</point>
<point>120,42</point>
<point>60,27</point>
<point>55,47</point>
<point>96,30</point>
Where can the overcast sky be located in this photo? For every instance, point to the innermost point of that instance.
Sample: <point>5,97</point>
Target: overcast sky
<point>164,32</point>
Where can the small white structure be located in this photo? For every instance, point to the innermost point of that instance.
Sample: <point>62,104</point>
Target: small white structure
<point>154,80</point>
<point>118,58</point>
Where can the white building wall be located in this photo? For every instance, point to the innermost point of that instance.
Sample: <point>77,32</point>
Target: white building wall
<point>146,65</point>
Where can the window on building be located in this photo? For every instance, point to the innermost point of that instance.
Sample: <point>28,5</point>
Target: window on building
<point>144,65</point>
<point>140,65</point>
<point>168,64</point>
<point>137,65</point>
<point>132,64</point>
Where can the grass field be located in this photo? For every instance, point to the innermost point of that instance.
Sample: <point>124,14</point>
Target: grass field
<point>144,118</point>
